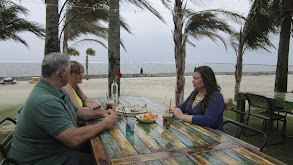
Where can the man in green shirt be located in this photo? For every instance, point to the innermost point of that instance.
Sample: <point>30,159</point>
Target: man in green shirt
<point>47,130</point>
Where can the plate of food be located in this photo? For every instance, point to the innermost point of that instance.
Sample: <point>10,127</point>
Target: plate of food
<point>130,111</point>
<point>148,117</point>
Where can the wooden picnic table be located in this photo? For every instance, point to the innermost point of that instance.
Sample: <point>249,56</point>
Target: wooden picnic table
<point>181,143</point>
<point>282,100</point>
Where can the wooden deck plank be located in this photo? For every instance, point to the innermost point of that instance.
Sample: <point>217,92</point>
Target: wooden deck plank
<point>124,144</point>
<point>226,158</point>
<point>245,145</point>
<point>122,102</point>
<point>183,138</point>
<point>111,145</point>
<point>169,154</point>
<point>199,160</point>
<point>135,141</point>
<point>128,101</point>
<point>184,160</point>
<point>97,146</point>
<point>170,161</point>
<point>156,136</point>
<point>168,136</point>
<point>212,159</point>
<point>251,156</point>
<point>189,133</point>
<point>205,132</point>
<point>239,157</point>
<point>148,141</point>
<point>153,162</point>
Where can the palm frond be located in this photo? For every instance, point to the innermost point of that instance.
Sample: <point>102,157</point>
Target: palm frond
<point>210,35</point>
<point>234,41</point>
<point>90,40</point>
<point>73,52</point>
<point>90,51</point>
<point>145,4</point>
<point>234,16</point>
<point>11,24</point>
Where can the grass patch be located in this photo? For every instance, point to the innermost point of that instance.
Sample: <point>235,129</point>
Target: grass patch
<point>9,111</point>
<point>281,152</point>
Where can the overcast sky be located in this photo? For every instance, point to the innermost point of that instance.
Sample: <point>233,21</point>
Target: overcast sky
<point>151,41</point>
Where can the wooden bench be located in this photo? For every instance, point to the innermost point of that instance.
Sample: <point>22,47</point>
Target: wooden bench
<point>6,143</point>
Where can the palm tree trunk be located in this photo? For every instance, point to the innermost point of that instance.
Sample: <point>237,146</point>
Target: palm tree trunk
<point>281,79</point>
<point>52,43</point>
<point>238,75</point>
<point>179,54</point>
<point>65,43</point>
<point>113,44</point>
<point>238,68</point>
<point>87,66</point>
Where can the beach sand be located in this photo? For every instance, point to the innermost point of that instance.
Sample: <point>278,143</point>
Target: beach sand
<point>161,89</point>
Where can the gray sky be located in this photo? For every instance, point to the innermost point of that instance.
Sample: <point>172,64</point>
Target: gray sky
<point>151,41</point>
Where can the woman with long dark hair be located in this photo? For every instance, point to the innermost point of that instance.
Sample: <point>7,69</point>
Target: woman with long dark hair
<point>205,105</point>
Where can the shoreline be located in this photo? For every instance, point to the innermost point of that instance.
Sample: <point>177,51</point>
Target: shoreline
<point>161,89</point>
<point>99,76</point>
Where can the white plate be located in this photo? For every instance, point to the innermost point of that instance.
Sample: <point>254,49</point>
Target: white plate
<point>145,121</point>
<point>128,112</point>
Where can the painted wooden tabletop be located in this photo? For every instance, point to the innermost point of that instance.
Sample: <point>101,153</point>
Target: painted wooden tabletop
<point>181,143</point>
<point>280,99</point>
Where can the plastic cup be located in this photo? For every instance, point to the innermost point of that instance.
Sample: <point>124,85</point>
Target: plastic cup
<point>167,118</point>
<point>130,124</point>
<point>110,104</point>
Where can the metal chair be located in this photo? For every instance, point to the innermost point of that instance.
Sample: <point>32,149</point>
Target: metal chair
<point>6,143</point>
<point>267,114</point>
<point>9,161</point>
<point>242,126</point>
<point>232,129</point>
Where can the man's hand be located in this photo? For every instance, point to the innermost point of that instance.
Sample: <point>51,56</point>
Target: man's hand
<point>110,119</point>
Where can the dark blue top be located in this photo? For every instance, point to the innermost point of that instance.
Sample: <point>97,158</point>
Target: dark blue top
<point>213,116</point>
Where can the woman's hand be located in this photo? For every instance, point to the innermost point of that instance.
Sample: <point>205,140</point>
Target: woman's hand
<point>177,113</point>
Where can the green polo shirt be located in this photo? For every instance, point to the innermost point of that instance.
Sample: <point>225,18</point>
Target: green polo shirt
<point>46,113</point>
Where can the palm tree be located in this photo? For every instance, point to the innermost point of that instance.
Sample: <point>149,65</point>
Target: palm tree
<point>52,43</point>
<point>114,35</point>
<point>73,52</point>
<point>11,24</point>
<point>252,36</point>
<point>195,24</point>
<point>90,52</point>
<point>82,21</point>
<point>280,15</point>
<point>113,44</point>
<point>286,14</point>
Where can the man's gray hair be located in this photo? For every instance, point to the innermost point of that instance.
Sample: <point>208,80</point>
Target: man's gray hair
<point>53,63</point>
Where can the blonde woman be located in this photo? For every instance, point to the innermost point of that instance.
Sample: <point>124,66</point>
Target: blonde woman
<point>74,91</point>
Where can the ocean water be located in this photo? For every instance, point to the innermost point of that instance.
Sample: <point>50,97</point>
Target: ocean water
<point>29,68</point>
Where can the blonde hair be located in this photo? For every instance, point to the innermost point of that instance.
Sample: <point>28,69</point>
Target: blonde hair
<point>75,67</point>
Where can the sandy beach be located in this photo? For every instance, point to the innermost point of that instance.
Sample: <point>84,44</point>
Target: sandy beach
<point>161,89</point>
